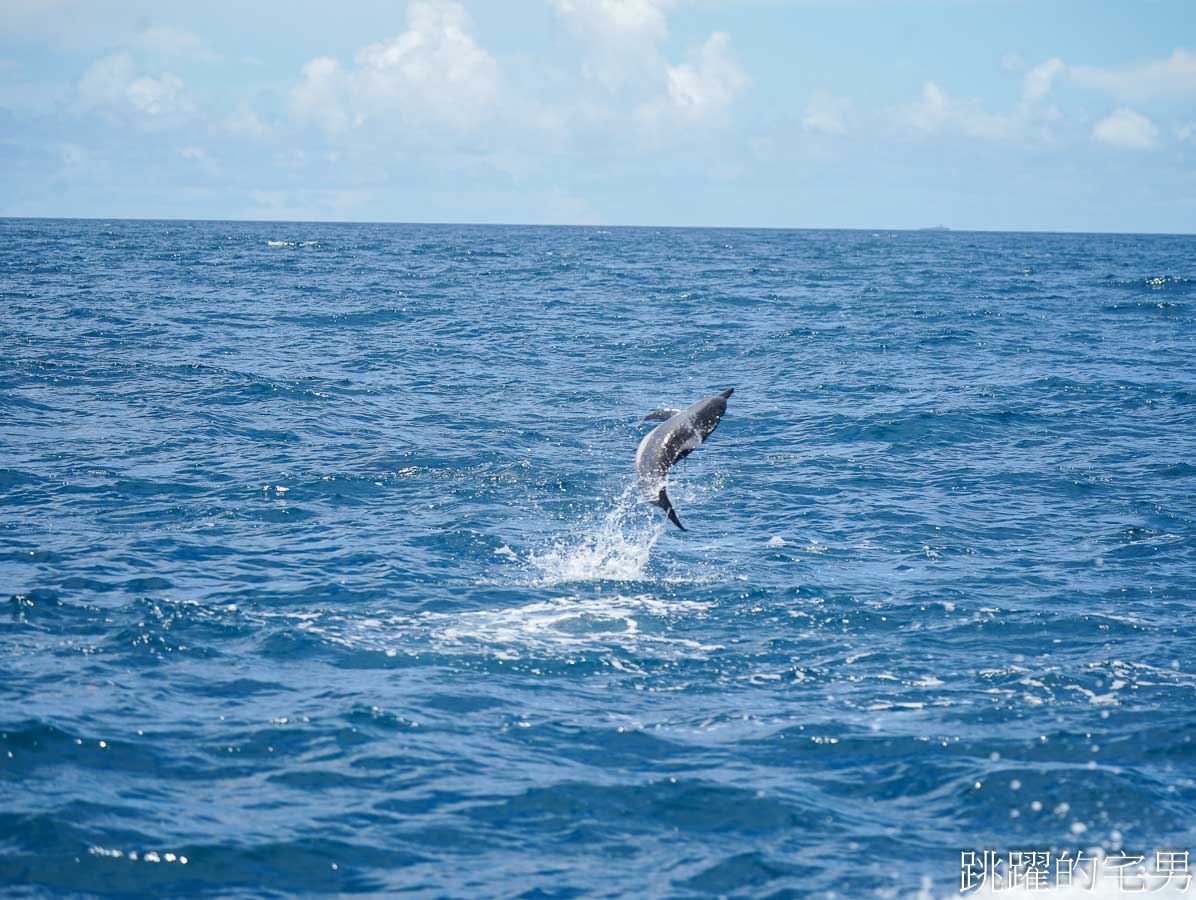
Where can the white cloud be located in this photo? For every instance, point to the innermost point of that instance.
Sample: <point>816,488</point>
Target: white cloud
<point>433,72</point>
<point>435,77</point>
<point>620,39</point>
<point>1128,130</point>
<point>113,84</point>
<point>436,63</point>
<point>937,111</point>
<point>616,20</point>
<point>826,113</point>
<point>323,95</point>
<point>1037,82</point>
<point>1186,132</point>
<point>705,84</point>
<point>629,84</point>
<point>1173,76</point>
<point>931,112</point>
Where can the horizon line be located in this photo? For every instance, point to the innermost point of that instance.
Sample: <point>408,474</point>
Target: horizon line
<point>939,229</point>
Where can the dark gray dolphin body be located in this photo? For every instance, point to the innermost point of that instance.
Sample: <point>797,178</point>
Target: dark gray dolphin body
<point>680,434</point>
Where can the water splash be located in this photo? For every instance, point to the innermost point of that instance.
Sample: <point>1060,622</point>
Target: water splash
<point>616,547</point>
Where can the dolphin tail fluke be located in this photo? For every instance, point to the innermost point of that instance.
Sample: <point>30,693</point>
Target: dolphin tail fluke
<point>662,500</point>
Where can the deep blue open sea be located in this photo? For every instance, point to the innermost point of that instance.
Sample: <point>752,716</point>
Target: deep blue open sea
<point>324,571</point>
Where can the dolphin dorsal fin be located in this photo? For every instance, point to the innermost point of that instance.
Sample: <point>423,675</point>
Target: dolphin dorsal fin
<point>662,414</point>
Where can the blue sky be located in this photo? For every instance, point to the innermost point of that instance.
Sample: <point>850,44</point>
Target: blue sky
<point>992,114</point>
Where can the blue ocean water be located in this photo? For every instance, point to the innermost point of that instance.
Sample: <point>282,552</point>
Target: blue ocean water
<point>325,572</point>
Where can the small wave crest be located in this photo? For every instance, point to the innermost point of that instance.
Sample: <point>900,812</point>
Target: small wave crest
<point>1155,282</point>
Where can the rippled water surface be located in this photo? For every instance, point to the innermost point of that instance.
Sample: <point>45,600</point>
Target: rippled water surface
<point>325,571</point>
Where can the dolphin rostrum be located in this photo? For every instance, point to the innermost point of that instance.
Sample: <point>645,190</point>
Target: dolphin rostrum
<point>680,434</point>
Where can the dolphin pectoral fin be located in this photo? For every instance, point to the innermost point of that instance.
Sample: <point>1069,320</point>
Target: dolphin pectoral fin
<point>673,518</point>
<point>661,414</point>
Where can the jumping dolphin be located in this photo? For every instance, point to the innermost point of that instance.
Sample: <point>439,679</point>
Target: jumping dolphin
<point>680,434</point>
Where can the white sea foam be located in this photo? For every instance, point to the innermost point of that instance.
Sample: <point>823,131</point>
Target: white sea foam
<point>552,628</point>
<point>570,624</point>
